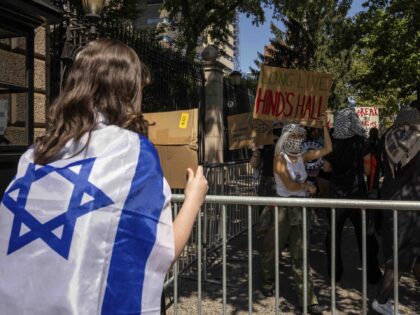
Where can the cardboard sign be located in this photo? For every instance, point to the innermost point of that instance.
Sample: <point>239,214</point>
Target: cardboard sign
<point>369,116</point>
<point>175,135</point>
<point>175,159</point>
<point>289,95</point>
<point>243,130</point>
<point>3,116</point>
<point>173,128</point>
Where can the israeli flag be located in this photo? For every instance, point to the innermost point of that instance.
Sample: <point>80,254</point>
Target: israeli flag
<point>89,233</point>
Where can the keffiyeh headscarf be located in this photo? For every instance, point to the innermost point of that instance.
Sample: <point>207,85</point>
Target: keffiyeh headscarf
<point>347,124</point>
<point>291,140</point>
<point>402,141</point>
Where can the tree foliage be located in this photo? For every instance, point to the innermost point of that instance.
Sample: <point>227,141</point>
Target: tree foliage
<point>114,10</point>
<point>317,37</point>
<point>197,21</point>
<point>387,66</point>
<point>117,10</point>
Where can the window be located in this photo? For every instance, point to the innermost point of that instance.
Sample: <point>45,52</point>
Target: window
<point>16,88</point>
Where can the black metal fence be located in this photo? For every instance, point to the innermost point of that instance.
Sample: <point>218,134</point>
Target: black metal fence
<point>176,82</point>
<point>237,99</point>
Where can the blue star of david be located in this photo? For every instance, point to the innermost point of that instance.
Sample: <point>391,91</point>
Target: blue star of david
<point>67,219</point>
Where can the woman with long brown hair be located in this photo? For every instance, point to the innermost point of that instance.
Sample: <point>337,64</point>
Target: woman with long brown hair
<point>86,225</point>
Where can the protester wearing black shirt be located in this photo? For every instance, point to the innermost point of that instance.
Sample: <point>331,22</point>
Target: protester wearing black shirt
<point>375,169</point>
<point>347,163</point>
<point>262,161</point>
<point>400,153</point>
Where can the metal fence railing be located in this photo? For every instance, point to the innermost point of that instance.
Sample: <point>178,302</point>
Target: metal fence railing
<point>177,83</point>
<point>226,217</point>
<point>231,179</point>
<point>237,99</point>
<point>228,179</point>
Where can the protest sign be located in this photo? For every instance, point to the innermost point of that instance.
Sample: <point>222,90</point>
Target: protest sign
<point>369,116</point>
<point>243,131</point>
<point>175,136</point>
<point>289,95</point>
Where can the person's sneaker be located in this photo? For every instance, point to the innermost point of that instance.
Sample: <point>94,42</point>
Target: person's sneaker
<point>316,309</point>
<point>384,309</point>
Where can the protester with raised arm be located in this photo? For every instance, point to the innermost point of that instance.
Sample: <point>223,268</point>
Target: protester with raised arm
<point>349,163</point>
<point>290,176</point>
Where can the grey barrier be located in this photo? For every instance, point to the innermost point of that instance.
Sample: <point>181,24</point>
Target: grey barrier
<point>233,178</point>
<point>249,201</point>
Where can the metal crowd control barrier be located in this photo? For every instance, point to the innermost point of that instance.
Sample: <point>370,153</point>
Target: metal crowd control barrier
<point>228,179</point>
<point>304,203</point>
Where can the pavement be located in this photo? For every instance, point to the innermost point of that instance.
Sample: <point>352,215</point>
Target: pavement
<point>348,294</point>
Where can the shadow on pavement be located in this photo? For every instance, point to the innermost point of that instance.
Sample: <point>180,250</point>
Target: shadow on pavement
<point>348,294</point>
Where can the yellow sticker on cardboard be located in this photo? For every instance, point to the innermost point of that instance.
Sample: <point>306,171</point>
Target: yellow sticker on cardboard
<point>183,122</point>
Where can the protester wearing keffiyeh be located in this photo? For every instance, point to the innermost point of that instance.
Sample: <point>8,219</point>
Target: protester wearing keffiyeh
<point>350,150</point>
<point>347,124</point>
<point>401,160</point>
<point>402,141</point>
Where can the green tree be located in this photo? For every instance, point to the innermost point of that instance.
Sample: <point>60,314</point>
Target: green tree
<point>317,37</point>
<point>387,66</point>
<point>114,10</point>
<point>197,21</point>
<point>121,10</point>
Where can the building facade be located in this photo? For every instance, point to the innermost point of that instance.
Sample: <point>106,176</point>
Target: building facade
<point>23,77</point>
<point>153,16</point>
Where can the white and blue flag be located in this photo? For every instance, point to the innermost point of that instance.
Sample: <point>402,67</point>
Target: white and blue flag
<point>87,234</point>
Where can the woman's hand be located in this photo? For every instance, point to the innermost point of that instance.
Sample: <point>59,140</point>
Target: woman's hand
<point>195,193</point>
<point>196,187</point>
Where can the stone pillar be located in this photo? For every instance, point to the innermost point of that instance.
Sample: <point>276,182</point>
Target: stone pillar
<point>214,126</point>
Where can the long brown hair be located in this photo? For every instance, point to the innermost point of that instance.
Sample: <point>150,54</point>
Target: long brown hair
<point>107,77</point>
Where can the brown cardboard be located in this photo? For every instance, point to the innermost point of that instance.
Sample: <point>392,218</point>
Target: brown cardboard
<point>290,95</point>
<point>167,128</point>
<point>175,159</point>
<point>175,135</point>
<point>243,131</point>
